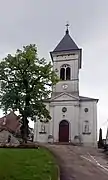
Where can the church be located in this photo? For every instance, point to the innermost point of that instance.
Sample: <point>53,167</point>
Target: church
<point>73,117</point>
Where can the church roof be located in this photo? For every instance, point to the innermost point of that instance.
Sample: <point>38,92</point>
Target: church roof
<point>66,44</point>
<point>76,98</point>
<point>82,98</point>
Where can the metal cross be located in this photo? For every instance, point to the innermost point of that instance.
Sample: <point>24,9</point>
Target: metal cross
<point>67,25</point>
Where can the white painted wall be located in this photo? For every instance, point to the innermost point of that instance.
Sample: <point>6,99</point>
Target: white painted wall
<point>38,136</point>
<point>73,65</point>
<point>75,115</point>
<point>73,61</point>
<point>72,116</point>
<point>91,116</point>
<point>72,86</point>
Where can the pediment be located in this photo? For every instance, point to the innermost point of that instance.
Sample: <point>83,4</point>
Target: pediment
<point>66,97</point>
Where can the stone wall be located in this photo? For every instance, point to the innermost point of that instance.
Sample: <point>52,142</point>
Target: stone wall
<point>4,137</point>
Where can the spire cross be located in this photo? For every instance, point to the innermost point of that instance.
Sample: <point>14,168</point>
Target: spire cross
<point>67,25</point>
<point>67,30</point>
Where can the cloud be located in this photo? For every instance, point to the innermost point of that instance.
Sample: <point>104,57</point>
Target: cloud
<point>43,22</point>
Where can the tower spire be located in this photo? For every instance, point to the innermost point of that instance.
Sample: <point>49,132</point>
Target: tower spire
<point>67,28</point>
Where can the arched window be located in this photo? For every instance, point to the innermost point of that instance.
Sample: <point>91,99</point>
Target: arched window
<point>68,73</point>
<point>62,73</point>
<point>65,72</point>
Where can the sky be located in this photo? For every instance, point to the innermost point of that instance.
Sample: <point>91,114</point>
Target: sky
<point>43,23</point>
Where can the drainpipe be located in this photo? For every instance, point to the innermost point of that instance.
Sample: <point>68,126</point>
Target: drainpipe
<point>53,123</point>
<point>79,124</point>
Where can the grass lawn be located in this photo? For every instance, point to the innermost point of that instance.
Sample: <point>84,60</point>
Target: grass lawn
<point>27,164</point>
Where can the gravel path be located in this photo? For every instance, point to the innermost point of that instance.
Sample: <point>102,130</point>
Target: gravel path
<point>80,163</point>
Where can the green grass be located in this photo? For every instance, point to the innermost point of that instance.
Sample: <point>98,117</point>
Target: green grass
<point>27,164</point>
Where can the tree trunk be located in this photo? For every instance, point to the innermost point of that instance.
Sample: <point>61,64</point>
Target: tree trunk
<point>24,129</point>
<point>27,103</point>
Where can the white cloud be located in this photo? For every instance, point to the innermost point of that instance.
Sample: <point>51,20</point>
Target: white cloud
<point>42,22</point>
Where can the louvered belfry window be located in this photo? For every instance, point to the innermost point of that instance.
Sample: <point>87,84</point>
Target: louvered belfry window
<point>65,72</point>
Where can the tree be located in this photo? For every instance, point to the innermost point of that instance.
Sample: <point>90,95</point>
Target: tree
<point>100,142</point>
<point>26,81</point>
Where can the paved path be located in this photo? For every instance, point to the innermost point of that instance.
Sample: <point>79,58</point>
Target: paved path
<point>79,163</point>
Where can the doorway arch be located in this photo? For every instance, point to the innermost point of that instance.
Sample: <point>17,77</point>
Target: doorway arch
<point>64,131</point>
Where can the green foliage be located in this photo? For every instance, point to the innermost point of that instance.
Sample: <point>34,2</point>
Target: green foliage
<point>100,142</point>
<point>25,82</point>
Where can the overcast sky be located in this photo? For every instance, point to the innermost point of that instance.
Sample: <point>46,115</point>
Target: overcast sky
<point>43,22</point>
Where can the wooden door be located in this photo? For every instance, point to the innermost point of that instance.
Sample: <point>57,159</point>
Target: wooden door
<point>64,131</point>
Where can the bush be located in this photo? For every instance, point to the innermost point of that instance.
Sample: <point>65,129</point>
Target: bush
<point>100,142</point>
<point>22,146</point>
<point>28,145</point>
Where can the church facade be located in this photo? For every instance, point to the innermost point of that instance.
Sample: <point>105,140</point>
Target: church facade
<point>73,117</point>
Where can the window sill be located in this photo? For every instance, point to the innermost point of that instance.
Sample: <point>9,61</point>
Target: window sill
<point>86,133</point>
<point>42,132</point>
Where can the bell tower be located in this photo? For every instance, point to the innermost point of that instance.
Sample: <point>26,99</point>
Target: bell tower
<point>66,59</point>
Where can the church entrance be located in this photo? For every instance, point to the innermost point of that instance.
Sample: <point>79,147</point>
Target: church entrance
<point>64,131</point>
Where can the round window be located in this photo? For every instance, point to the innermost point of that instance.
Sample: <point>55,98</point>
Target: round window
<point>64,109</point>
<point>86,109</point>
